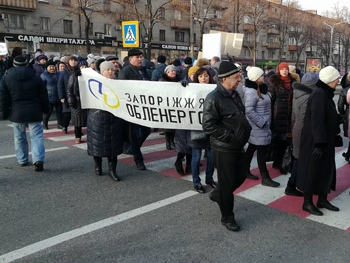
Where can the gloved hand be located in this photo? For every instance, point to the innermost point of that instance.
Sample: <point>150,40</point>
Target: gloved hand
<point>184,83</point>
<point>318,152</point>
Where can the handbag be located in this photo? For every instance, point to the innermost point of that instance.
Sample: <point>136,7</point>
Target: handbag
<point>287,160</point>
<point>198,136</point>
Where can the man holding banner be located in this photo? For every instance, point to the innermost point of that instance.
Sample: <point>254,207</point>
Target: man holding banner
<point>138,133</point>
<point>224,120</point>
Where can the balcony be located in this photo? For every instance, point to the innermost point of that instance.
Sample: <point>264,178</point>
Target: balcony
<point>273,31</point>
<point>179,24</point>
<point>273,45</point>
<point>292,47</point>
<point>26,5</point>
<point>248,27</point>
<point>181,4</point>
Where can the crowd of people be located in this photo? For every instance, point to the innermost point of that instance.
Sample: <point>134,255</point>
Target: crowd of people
<point>273,113</point>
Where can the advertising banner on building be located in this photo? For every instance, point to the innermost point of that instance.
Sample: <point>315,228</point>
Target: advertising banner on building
<point>164,105</point>
<point>313,64</point>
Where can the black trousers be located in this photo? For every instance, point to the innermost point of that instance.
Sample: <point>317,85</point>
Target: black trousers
<point>58,108</point>
<point>77,132</point>
<point>261,156</point>
<point>231,170</point>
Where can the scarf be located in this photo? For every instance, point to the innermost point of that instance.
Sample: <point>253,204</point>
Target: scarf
<point>287,82</point>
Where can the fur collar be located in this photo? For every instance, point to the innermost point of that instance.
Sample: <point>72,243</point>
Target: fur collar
<point>252,84</point>
<point>278,82</point>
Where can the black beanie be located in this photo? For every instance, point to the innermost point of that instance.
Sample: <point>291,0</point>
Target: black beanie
<point>20,61</point>
<point>188,61</point>
<point>176,62</point>
<point>227,69</point>
<point>161,59</point>
<point>50,63</point>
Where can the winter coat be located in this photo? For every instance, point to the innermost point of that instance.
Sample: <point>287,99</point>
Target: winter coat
<point>2,68</point>
<point>78,115</point>
<point>318,176</point>
<point>23,96</point>
<point>131,72</point>
<point>343,105</point>
<point>258,113</point>
<point>301,95</point>
<point>50,81</point>
<point>185,72</point>
<point>181,142</point>
<point>348,100</point>
<point>62,89</point>
<point>104,134</point>
<point>39,68</point>
<point>158,72</point>
<point>224,120</point>
<point>281,104</point>
<point>268,75</point>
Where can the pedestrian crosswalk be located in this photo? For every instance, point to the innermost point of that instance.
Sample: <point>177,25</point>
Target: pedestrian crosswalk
<point>160,160</point>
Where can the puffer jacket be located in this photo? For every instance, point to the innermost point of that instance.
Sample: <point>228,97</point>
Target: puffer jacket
<point>79,115</point>
<point>104,134</point>
<point>301,94</point>
<point>343,106</point>
<point>50,81</point>
<point>23,96</point>
<point>281,104</point>
<point>224,120</point>
<point>258,112</point>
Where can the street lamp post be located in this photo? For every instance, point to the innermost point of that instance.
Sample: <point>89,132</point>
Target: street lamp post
<point>191,31</point>
<point>331,44</point>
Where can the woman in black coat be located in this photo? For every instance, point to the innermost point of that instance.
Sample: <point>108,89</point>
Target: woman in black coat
<point>105,133</point>
<point>343,109</point>
<point>316,164</point>
<point>78,115</point>
<point>281,91</point>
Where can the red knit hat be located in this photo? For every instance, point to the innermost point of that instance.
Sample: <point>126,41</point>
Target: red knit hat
<point>281,66</point>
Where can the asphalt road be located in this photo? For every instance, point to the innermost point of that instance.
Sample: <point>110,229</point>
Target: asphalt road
<point>68,214</point>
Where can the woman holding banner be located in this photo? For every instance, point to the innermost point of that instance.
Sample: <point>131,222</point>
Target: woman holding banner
<point>105,132</point>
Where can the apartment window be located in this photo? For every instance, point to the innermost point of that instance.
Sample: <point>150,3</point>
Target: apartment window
<point>65,2</point>
<point>263,54</point>
<point>91,29</point>
<point>247,53</point>
<point>179,36</point>
<point>15,21</point>
<point>161,13</point>
<point>292,41</point>
<point>177,15</point>
<point>45,23</point>
<point>161,35</point>
<point>68,26</point>
<point>194,38</point>
<point>108,28</point>
<point>270,54</point>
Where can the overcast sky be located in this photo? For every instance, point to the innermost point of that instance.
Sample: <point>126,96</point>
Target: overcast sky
<point>323,5</point>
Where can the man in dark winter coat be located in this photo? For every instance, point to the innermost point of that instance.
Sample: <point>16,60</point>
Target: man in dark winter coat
<point>316,165</point>
<point>224,120</point>
<point>138,133</point>
<point>24,99</point>
<point>158,72</point>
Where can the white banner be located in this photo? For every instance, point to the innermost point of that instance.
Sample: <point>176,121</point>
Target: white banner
<point>3,49</point>
<point>153,104</point>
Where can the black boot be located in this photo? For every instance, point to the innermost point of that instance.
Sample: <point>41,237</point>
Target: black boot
<point>178,164</point>
<point>251,176</point>
<point>168,141</point>
<point>98,165</point>
<point>267,181</point>
<point>112,169</point>
<point>292,190</point>
<point>309,206</point>
<point>188,164</point>
<point>324,203</point>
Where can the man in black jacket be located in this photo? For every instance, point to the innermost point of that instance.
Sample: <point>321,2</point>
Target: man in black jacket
<point>24,99</point>
<point>224,120</point>
<point>138,133</point>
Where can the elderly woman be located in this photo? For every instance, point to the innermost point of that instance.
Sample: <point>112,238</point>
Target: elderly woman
<point>280,88</point>
<point>316,164</point>
<point>258,112</point>
<point>105,132</point>
<point>170,76</point>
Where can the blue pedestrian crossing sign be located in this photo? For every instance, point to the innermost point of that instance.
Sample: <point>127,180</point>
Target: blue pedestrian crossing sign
<point>130,33</point>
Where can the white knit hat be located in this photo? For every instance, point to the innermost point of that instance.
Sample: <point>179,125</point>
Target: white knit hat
<point>169,68</point>
<point>106,65</point>
<point>254,73</point>
<point>328,74</point>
